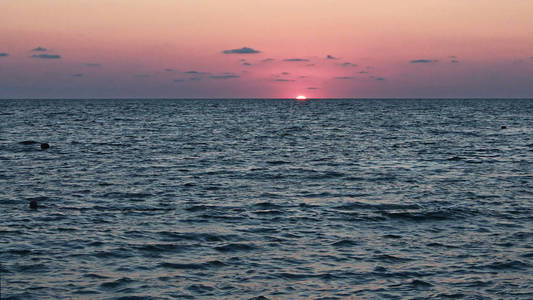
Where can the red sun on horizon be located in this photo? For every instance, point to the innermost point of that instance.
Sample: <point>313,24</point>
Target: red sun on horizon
<point>301,98</point>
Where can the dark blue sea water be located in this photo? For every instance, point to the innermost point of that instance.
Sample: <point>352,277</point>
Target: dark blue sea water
<point>277,199</point>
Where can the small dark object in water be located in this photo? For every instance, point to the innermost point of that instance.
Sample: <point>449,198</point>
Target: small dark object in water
<point>33,204</point>
<point>28,142</point>
<point>504,127</point>
<point>45,146</point>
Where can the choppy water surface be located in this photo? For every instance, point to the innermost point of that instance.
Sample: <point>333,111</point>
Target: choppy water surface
<point>279,199</point>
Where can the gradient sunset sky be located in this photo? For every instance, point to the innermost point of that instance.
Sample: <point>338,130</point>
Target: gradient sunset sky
<point>265,48</point>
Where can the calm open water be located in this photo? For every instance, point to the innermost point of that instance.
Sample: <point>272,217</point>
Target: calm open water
<point>277,199</point>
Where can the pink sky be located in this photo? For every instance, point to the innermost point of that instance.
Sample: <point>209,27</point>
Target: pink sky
<point>382,48</point>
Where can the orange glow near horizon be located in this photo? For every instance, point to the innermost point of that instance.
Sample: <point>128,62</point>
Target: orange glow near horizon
<point>301,98</point>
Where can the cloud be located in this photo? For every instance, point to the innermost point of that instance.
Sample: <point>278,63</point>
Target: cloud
<point>195,79</point>
<point>284,80</point>
<point>77,75</point>
<point>243,50</point>
<point>225,76</point>
<point>141,75</point>
<point>39,49</point>
<point>47,56</point>
<point>343,77</point>
<point>267,60</point>
<point>295,59</point>
<point>349,64</point>
<point>454,61</point>
<point>310,65</point>
<point>285,73</point>
<point>246,64</point>
<point>169,70</point>
<point>3,54</point>
<point>363,72</point>
<point>452,56</point>
<point>331,57</point>
<point>312,88</point>
<point>194,72</point>
<point>423,61</point>
<point>95,65</point>
<point>377,78</point>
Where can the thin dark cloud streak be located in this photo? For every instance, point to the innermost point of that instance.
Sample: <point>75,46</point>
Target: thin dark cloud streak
<point>343,77</point>
<point>349,64</point>
<point>194,72</point>
<point>46,56</point>
<point>94,65</point>
<point>423,61</point>
<point>284,80</point>
<point>225,76</point>
<point>331,57</point>
<point>39,49</point>
<point>3,54</point>
<point>243,50</point>
<point>295,59</point>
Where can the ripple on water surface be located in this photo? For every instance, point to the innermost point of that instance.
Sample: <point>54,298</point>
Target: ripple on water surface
<point>266,199</point>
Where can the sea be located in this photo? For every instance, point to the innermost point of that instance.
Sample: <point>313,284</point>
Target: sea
<point>266,199</point>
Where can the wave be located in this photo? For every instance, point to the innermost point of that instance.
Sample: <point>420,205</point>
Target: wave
<point>509,265</point>
<point>193,266</point>
<point>117,283</point>
<point>442,214</point>
<point>159,248</point>
<point>236,247</point>
<point>196,236</point>
<point>345,243</point>
<point>377,206</point>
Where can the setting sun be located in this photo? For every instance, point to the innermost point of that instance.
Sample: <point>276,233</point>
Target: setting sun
<point>301,97</point>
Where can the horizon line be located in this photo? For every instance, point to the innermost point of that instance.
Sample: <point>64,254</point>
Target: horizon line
<point>267,98</point>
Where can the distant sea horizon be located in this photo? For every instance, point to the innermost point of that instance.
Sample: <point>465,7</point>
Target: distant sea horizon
<point>274,98</point>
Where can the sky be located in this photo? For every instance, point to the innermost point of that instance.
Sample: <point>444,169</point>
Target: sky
<point>266,48</point>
